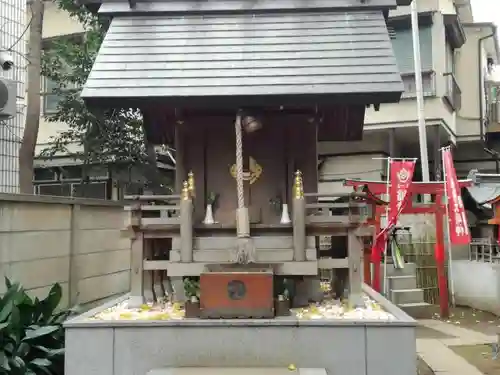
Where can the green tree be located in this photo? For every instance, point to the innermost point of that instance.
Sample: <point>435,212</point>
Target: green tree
<point>113,137</point>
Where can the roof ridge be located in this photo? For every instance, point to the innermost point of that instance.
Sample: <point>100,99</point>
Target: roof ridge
<point>134,7</point>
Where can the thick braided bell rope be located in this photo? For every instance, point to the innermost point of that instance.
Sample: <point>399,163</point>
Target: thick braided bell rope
<point>239,164</point>
<point>245,251</point>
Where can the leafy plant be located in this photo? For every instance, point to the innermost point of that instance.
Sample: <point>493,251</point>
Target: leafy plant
<point>191,287</point>
<point>111,137</point>
<point>31,332</point>
<point>213,199</point>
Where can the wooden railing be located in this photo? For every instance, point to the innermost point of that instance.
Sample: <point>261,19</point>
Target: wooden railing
<point>171,216</point>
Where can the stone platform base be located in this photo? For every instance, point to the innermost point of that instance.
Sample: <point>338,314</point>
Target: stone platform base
<point>236,371</point>
<point>340,346</point>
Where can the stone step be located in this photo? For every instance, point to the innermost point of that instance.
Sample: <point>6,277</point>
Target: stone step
<point>410,269</point>
<point>417,310</point>
<point>402,296</point>
<point>402,282</point>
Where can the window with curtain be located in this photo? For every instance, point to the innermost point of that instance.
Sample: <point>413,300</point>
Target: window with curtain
<point>402,45</point>
<point>50,99</point>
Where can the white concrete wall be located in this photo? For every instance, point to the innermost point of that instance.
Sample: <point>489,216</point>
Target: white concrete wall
<point>467,68</point>
<point>336,169</point>
<point>12,35</point>
<point>77,243</point>
<point>443,6</point>
<point>477,285</point>
<point>404,113</point>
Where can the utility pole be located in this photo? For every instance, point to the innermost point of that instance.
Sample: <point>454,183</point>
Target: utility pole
<point>422,134</point>
<point>30,135</point>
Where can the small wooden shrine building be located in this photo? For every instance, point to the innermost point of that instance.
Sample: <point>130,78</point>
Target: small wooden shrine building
<point>486,193</point>
<point>246,89</point>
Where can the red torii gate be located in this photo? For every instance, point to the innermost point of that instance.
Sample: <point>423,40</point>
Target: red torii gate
<point>437,207</point>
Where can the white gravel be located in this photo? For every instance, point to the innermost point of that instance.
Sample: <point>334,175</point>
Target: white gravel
<point>328,309</point>
<point>150,311</point>
<point>334,309</point>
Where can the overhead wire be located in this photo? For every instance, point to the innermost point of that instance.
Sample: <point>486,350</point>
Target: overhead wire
<point>16,42</point>
<point>327,175</point>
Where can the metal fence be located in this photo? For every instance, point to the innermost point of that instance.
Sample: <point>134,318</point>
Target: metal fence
<point>484,250</point>
<point>13,37</point>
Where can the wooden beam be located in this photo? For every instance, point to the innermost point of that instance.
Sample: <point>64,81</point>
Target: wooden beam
<point>355,254</point>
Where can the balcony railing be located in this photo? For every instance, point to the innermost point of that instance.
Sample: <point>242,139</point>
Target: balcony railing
<point>484,250</point>
<point>428,83</point>
<point>493,115</point>
<point>453,93</point>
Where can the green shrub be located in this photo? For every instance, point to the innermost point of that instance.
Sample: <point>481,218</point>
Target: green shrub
<point>31,332</point>
<point>192,287</point>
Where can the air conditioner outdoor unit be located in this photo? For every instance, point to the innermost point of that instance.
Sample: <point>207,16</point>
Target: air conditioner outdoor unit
<point>8,97</point>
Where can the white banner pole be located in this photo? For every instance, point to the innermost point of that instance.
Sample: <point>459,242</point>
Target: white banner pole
<point>450,260</point>
<point>386,286</point>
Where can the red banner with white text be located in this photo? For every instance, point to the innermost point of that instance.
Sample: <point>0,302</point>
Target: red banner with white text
<point>457,220</point>
<point>401,175</point>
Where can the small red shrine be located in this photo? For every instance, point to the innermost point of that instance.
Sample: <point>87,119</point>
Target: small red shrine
<point>437,207</point>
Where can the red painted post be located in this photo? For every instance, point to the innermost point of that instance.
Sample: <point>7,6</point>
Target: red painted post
<point>376,259</point>
<point>440,257</point>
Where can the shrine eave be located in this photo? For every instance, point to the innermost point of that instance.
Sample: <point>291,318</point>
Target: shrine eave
<point>240,101</point>
<point>115,7</point>
<point>246,59</point>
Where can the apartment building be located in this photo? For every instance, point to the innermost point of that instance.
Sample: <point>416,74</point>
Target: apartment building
<point>457,56</point>
<point>13,42</point>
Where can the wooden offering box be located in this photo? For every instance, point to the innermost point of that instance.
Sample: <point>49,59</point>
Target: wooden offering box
<point>230,292</point>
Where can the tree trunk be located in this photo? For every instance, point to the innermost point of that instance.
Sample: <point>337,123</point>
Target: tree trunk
<point>27,150</point>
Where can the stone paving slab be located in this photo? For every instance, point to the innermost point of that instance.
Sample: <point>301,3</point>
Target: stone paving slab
<point>443,360</point>
<point>437,354</point>
<point>459,341</point>
<point>466,336</point>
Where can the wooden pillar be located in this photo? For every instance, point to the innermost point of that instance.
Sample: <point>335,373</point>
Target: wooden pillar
<point>137,271</point>
<point>148,280</point>
<point>186,225</point>
<point>299,220</point>
<point>355,252</point>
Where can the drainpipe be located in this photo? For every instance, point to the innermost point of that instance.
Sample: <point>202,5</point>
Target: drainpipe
<point>480,80</point>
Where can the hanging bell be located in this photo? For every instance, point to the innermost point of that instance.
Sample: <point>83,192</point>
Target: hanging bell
<point>250,124</point>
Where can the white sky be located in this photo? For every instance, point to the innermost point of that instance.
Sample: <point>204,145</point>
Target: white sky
<point>486,11</point>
